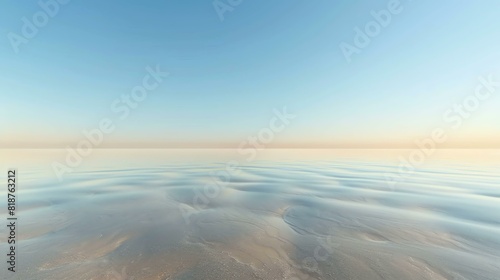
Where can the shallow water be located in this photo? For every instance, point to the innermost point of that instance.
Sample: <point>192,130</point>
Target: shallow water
<point>290,214</point>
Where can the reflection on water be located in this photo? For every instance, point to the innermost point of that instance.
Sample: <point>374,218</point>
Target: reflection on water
<point>168,215</point>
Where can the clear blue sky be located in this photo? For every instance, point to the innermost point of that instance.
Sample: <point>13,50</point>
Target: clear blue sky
<point>227,76</point>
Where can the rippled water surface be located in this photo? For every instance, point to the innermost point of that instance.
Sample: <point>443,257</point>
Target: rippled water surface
<point>198,214</point>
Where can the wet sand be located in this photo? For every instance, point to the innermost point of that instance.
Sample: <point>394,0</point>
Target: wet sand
<point>288,215</point>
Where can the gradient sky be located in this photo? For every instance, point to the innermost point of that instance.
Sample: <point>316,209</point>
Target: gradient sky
<point>226,77</point>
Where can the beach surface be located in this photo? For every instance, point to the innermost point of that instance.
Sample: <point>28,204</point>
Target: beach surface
<point>288,214</point>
